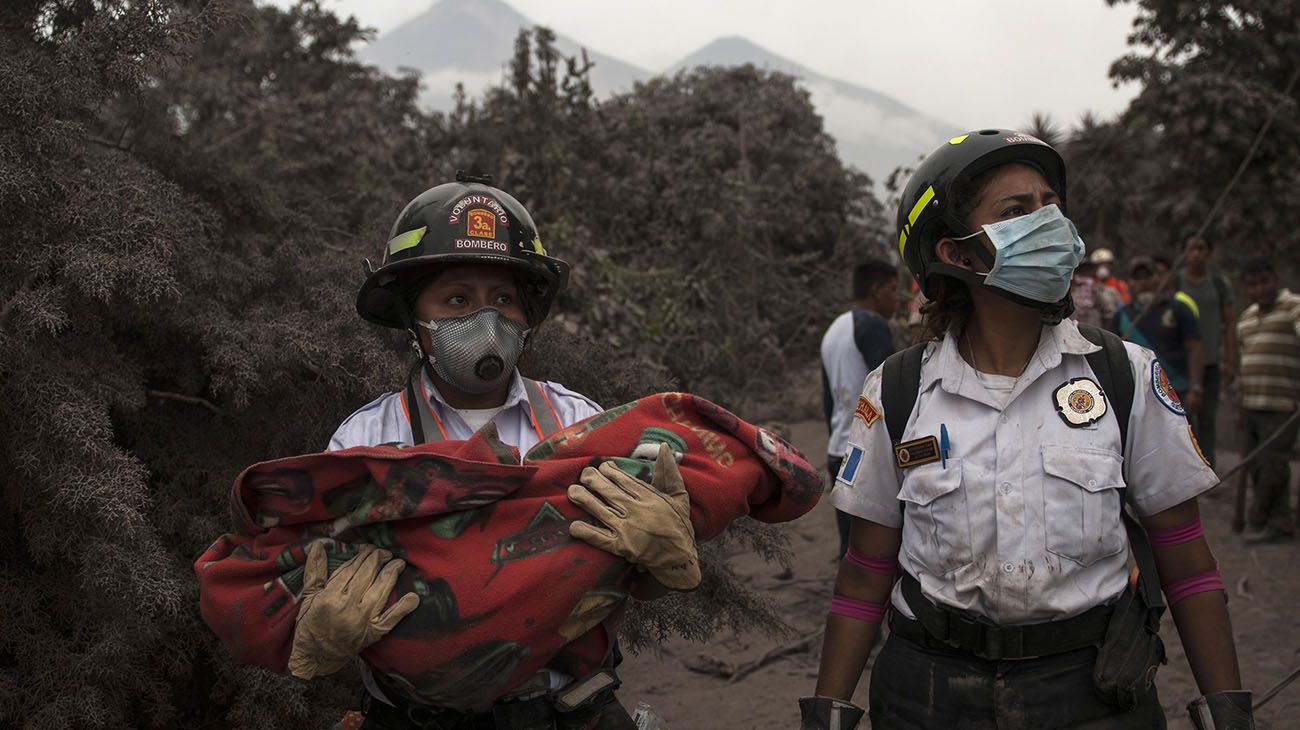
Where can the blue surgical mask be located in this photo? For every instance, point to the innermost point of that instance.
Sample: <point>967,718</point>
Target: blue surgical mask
<point>1035,254</point>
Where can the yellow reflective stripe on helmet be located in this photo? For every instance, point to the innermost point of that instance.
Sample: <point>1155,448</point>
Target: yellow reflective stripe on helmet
<point>902,241</point>
<point>406,240</point>
<point>958,140</point>
<point>537,245</point>
<point>926,197</point>
<point>1186,298</point>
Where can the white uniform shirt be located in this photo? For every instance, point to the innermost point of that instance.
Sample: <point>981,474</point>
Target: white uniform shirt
<point>846,367</point>
<point>383,420</point>
<point>1023,524</point>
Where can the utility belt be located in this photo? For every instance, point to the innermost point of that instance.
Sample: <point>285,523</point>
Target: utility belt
<point>1126,635</point>
<point>531,706</point>
<point>942,628</point>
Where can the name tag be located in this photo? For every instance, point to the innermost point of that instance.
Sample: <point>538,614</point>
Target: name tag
<point>915,453</point>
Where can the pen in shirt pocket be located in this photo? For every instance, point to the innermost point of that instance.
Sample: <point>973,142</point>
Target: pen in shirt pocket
<point>943,445</point>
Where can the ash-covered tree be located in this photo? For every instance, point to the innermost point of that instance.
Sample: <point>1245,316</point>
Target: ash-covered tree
<point>1212,74</point>
<point>707,216</point>
<point>188,189</point>
<point>727,222</point>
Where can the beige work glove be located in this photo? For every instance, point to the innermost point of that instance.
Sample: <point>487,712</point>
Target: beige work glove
<point>341,614</point>
<point>647,524</point>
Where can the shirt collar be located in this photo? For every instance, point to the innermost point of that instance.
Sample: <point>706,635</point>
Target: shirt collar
<point>514,397</point>
<point>1056,340</point>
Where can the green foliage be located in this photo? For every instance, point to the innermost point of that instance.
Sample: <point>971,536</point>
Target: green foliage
<point>1211,73</point>
<point>188,189</point>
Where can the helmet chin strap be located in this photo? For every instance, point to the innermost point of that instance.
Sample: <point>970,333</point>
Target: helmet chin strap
<point>1051,313</point>
<point>408,323</point>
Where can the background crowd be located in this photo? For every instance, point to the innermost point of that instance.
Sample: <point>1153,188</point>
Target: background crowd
<point>1184,308</point>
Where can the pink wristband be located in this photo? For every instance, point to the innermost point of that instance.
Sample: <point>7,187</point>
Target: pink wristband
<point>860,610</point>
<point>878,564</point>
<point>1177,535</point>
<point>1210,580</point>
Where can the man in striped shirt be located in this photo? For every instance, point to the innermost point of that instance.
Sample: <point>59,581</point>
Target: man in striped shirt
<point>1269,333</point>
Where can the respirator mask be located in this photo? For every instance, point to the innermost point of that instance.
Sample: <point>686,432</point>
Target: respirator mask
<point>476,352</point>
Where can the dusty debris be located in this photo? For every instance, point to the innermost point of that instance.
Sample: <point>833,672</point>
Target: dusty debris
<point>710,665</point>
<point>705,664</point>
<point>775,654</point>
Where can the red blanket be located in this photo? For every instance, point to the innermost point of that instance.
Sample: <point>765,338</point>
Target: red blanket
<point>503,589</point>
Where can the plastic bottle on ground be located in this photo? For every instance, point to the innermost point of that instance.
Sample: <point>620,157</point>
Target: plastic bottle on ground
<point>647,719</point>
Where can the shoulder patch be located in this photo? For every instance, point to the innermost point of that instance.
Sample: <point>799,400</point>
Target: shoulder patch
<point>849,470</point>
<point>867,411</point>
<point>1164,390</point>
<point>1197,445</point>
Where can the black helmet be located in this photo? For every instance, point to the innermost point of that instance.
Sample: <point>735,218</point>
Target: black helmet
<point>466,221</point>
<point>927,210</point>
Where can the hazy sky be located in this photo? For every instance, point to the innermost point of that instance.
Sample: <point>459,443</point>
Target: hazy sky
<point>971,62</point>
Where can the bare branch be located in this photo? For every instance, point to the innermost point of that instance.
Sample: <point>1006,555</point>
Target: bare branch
<point>106,143</point>
<point>192,400</point>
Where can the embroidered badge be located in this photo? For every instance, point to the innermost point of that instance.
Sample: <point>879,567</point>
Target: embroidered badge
<point>480,223</point>
<point>867,411</point>
<point>1080,402</point>
<point>1164,389</point>
<point>1196,445</point>
<point>849,469</point>
<point>917,452</point>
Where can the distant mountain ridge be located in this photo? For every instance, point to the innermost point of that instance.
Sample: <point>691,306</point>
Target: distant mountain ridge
<point>472,41</point>
<point>873,131</point>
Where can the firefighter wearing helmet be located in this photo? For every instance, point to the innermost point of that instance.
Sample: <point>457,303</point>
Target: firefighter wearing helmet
<point>986,476</point>
<point>465,275</point>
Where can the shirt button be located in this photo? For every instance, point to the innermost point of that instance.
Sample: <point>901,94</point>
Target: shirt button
<point>1006,487</point>
<point>1092,482</point>
<point>1008,568</point>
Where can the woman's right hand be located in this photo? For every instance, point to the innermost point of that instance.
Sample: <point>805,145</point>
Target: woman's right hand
<point>341,614</point>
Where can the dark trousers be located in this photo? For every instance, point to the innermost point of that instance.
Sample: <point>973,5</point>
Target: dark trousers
<point>608,715</point>
<point>842,519</point>
<point>1204,420</point>
<point>915,688</point>
<point>1270,473</point>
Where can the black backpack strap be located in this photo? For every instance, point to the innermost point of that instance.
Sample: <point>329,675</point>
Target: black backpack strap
<point>1111,366</point>
<point>1115,374</point>
<point>900,383</point>
<point>424,425</point>
<point>543,415</point>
